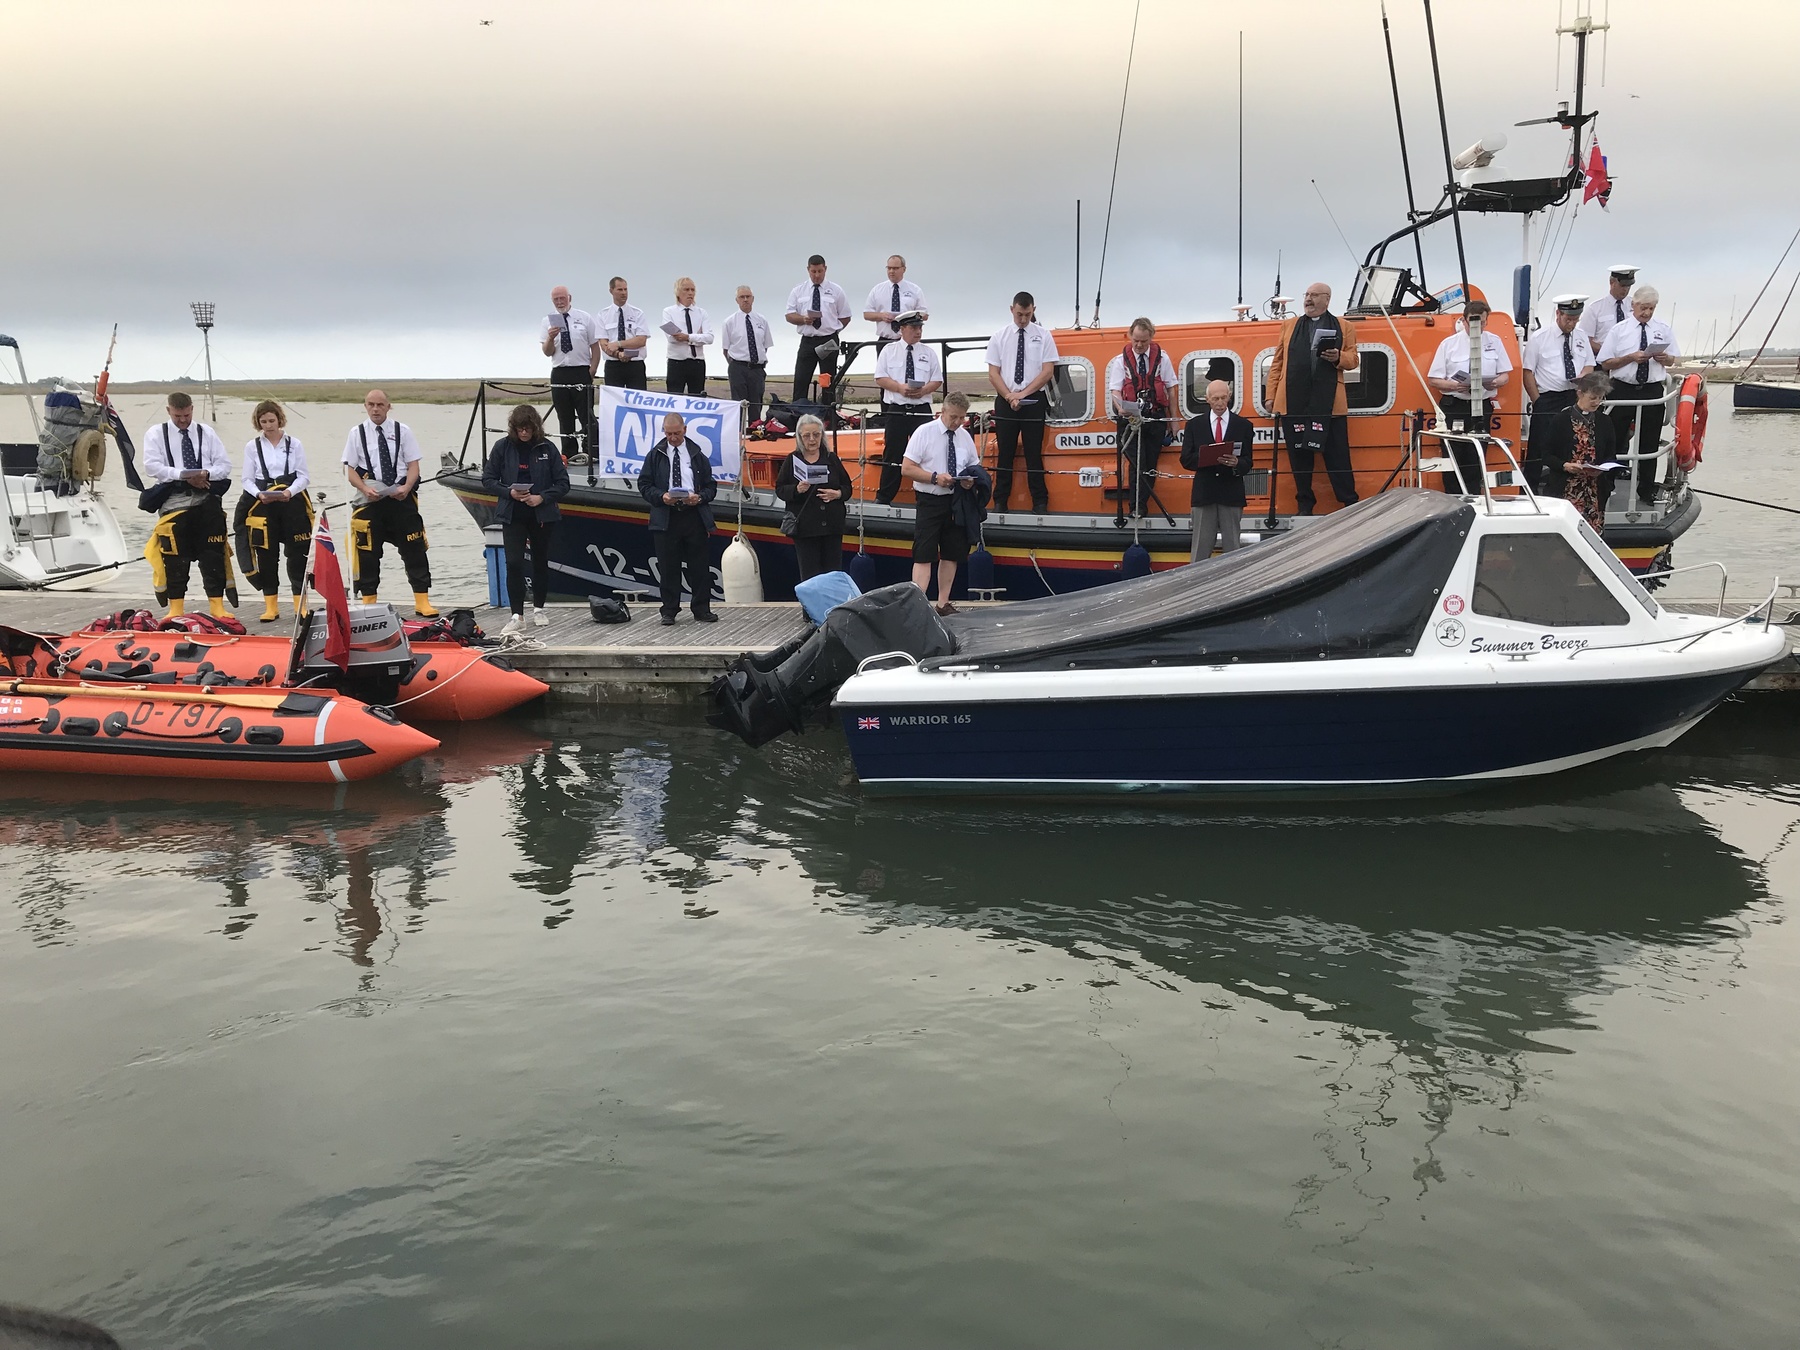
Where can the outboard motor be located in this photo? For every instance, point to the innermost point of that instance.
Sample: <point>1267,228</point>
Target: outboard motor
<point>380,655</point>
<point>762,696</point>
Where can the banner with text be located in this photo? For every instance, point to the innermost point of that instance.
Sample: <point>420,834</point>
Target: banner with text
<point>631,421</point>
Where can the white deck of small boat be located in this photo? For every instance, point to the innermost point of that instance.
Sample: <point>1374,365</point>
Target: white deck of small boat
<point>641,661</point>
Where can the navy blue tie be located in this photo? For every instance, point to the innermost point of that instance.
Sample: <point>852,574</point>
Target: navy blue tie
<point>895,304</point>
<point>909,366</point>
<point>1019,363</point>
<point>387,459</point>
<point>189,459</point>
<point>566,344</point>
<point>1568,361</point>
<point>1643,367</point>
<point>750,336</point>
<point>818,308</point>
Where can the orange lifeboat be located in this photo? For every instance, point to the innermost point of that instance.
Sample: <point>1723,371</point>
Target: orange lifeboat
<point>280,736</point>
<point>447,682</point>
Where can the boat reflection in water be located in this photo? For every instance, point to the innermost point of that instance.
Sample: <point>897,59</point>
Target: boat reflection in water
<point>335,840</point>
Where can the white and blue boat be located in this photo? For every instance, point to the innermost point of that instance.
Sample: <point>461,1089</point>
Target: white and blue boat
<point>1413,639</point>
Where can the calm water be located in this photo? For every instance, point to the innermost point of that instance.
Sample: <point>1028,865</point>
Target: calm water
<point>613,1032</point>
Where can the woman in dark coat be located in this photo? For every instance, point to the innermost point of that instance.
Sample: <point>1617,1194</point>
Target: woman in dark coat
<point>815,484</point>
<point>528,478</point>
<point>1573,442</point>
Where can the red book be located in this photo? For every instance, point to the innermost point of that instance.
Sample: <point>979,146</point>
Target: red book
<point>1210,455</point>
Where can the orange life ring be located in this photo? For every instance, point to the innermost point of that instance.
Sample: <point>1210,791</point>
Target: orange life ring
<point>1690,421</point>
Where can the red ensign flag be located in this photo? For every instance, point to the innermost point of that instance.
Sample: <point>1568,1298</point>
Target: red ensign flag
<point>328,581</point>
<point>1598,184</point>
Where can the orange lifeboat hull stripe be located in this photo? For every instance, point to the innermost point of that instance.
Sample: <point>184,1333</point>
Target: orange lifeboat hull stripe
<point>65,726</point>
<point>448,682</point>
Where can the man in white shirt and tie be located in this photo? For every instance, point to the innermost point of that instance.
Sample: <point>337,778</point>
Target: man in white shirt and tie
<point>1598,318</point>
<point>1555,357</point>
<point>746,338</point>
<point>187,460</point>
<point>568,340</point>
<point>1636,354</point>
<point>623,335</point>
<point>381,461</point>
<point>1021,362</point>
<point>687,344</point>
<point>819,309</point>
<point>1451,375</point>
<point>908,374</point>
<point>892,298</point>
<point>938,458</point>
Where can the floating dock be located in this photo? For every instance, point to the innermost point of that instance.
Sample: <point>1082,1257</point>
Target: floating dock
<point>642,662</point>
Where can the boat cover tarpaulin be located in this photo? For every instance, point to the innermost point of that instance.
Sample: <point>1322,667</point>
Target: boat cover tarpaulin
<point>763,696</point>
<point>1361,582</point>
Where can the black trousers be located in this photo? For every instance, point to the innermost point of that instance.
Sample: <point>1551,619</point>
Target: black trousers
<point>1548,404</point>
<point>1467,454</point>
<point>1143,447</point>
<point>267,529</point>
<point>626,374</point>
<point>687,376</point>
<point>526,533</point>
<point>683,545</point>
<point>817,553</point>
<point>1649,433</point>
<point>1303,444</point>
<point>747,382</point>
<point>897,426</point>
<point>572,395</point>
<point>1013,431</point>
<point>807,361</point>
<point>199,538</point>
<point>389,520</point>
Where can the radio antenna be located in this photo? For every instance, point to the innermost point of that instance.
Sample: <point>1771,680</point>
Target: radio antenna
<point>1437,79</point>
<point>1412,205</point>
<point>1240,298</point>
<point>1118,145</point>
<point>1078,262</point>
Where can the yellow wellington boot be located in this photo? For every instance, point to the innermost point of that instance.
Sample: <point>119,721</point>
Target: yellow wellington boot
<point>216,603</point>
<point>299,604</point>
<point>368,599</point>
<point>271,609</point>
<point>177,607</point>
<point>422,605</point>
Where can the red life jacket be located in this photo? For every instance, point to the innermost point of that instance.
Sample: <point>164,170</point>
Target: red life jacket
<point>1152,362</point>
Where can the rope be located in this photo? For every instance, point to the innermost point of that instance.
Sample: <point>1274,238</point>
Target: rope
<point>1747,501</point>
<point>1118,146</point>
<point>506,645</point>
<point>1759,295</point>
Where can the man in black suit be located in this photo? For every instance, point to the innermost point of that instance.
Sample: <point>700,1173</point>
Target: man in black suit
<point>1218,499</point>
<point>677,481</point>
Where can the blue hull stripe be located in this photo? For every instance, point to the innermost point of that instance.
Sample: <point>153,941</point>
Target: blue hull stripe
<point>1382,736</point>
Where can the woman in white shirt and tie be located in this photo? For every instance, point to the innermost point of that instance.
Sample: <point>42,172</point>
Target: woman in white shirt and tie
<point>274,512</point>
<point>689,331</point>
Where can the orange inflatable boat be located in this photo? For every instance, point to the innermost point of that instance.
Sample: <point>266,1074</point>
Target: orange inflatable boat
<point>288,736</point>
<point>444,682</point>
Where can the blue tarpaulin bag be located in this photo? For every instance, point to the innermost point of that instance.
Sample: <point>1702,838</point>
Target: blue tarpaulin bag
<point>819,595</point>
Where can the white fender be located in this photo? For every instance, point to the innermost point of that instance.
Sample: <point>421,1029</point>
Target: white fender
<point>741,573</point>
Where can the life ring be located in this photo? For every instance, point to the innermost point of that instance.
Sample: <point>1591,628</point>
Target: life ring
<point>1690,422</point>
<point>87,457</point>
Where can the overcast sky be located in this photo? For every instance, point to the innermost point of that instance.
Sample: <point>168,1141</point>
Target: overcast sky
<point>391,187</point>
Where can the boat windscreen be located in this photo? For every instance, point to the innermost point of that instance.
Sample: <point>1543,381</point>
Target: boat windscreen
<point>1361,582</point>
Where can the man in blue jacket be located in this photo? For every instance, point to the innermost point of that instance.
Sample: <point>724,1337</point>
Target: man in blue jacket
<point>677,482</point>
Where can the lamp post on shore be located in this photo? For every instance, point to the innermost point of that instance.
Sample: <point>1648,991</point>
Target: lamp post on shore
<point>203,320</point>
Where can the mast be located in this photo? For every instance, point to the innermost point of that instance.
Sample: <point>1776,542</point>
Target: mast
<point>1437,80</point>
<point>1412,204</point>
<point>1240,139</point>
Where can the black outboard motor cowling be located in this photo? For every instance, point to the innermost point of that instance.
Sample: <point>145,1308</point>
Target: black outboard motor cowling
<point>762,696</point>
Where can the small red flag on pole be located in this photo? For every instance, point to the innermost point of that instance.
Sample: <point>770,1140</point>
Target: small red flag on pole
<point>328,581</point>
<point>1599,185</point>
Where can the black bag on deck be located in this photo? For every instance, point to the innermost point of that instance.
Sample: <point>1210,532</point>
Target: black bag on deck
<point>608,609</point>
<point>762,696</point>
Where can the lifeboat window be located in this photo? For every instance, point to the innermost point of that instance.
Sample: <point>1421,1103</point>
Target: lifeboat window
<point>1199,369</point>
<point>1540,579</point>
<point>1261,386</point>
<point>1072,391</point>
<point>1372,388</point>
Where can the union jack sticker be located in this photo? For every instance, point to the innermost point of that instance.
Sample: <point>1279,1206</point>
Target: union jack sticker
<point>868,724</point>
